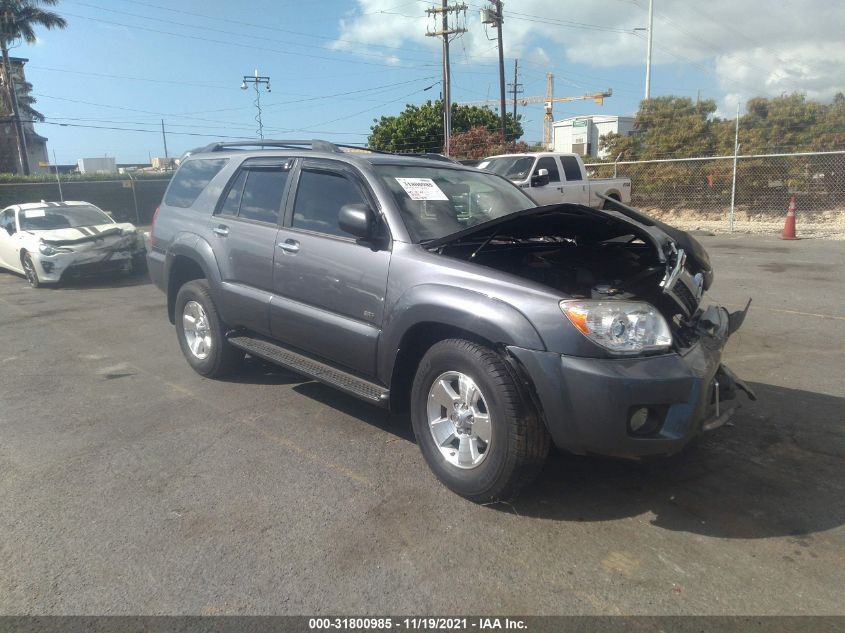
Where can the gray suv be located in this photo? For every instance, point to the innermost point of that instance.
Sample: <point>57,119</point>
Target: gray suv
<point>424,285</point>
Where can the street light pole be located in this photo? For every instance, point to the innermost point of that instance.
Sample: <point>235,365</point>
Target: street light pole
<point>257,80</point>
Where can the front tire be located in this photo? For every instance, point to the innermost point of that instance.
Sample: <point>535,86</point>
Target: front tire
<point>201,332</point>
<point>30,271</point>
<point>473,426</point>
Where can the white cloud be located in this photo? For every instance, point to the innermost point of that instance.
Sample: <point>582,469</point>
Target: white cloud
<point>750,47</point>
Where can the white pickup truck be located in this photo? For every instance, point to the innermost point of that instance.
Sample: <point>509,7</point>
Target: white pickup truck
<point>552,177</point>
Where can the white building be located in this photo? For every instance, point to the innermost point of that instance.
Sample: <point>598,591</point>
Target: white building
<point>100,165</point>
<point>580,134</point>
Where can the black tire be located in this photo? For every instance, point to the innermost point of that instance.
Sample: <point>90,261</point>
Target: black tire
<point>222,359</point>
<point>519,440</point>
<point>612,196</point>
<point>30,271</point>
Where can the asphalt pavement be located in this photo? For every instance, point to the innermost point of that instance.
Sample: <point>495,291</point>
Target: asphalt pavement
<point>131,485</point>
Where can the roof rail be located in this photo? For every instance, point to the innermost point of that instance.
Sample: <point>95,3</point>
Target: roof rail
<point>316,145</point>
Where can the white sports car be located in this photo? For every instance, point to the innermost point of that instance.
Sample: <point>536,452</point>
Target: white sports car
<point>47,241</point>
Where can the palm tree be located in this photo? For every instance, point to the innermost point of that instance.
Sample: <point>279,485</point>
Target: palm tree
<point>18,19</point>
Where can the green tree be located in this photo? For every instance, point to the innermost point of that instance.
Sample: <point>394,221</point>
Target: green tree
<point>419,129</point>
<point>18,19</point>
<point>787,123</point>
<point>665,127</point>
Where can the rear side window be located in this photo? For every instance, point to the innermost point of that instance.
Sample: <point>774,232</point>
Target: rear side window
<point>571,168</point>
<point>547,162</point>
<point>262,196</point>
<point>319,197</point>
<point>192,177</point>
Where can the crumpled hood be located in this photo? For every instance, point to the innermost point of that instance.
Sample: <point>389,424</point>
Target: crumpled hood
<point>68,236</point>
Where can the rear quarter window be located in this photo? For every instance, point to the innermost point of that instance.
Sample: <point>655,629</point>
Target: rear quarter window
<point>191,178</point>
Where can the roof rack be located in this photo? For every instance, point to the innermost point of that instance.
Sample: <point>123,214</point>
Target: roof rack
<point>315,145</point>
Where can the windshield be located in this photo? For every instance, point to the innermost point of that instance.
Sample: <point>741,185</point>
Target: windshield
<point>435,202</point>
<point>512,167</point>
<point>50,218</point>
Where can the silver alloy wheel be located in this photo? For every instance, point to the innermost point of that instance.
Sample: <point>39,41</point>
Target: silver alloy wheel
<point>459,419</point>
<point>197,329</point>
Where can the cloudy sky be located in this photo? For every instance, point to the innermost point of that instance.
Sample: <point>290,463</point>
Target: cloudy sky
<point>122,66</point>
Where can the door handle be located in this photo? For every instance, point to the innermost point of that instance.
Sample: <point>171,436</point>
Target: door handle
<point>289,246</point>
<point>221,230</point>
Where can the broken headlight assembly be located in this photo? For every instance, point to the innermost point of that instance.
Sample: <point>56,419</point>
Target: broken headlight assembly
<point>49,249</point>
<point>622,327</point>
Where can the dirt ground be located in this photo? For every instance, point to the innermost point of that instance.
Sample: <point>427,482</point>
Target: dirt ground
<point>826,225</point>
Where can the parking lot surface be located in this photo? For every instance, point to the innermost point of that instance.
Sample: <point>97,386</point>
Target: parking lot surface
<point>131,485</point>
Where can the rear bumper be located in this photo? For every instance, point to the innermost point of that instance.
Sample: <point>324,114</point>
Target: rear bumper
<point>587,402</point>
<point>155,266</point>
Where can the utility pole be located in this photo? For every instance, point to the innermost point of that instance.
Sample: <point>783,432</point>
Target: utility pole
<point>495,17</point>
<point>257,80</point>
<point>648,53</point>
<point>164,138</point>
<point>499,20</point>
<point>515,89</point>
<point>444,32</point>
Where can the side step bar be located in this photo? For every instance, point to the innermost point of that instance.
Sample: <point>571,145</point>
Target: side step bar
<point>306,366</point>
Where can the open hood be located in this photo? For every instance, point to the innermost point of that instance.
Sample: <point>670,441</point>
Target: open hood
<point>523,224</point>
<point>650,257</point>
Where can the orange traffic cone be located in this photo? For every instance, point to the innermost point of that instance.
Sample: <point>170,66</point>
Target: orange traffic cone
<point>789,225</point>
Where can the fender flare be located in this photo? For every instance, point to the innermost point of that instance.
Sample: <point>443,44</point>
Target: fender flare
<point>472,311</point>
<point>196,249</point>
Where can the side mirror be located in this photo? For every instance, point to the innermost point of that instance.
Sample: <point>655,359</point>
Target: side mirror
<point>357,219</point>
<point>541,178</point>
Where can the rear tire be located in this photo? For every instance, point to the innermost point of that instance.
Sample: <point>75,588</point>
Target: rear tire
<point>201,332</point>
<point>490,443</point>
<point>612,196</point>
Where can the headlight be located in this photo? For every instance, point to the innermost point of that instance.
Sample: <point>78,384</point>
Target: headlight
<point>48,250</point>
<point>620,326</point>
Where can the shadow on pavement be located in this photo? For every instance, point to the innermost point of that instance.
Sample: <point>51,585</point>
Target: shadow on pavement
<point>779,471</point>
<point>256,371</point>
<point>109,280</point>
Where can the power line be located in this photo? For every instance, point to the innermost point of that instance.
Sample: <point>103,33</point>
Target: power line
<point>226,43</point>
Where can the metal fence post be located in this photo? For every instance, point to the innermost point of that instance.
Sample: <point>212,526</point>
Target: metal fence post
<point>58,180</point>
<point>134,198</point>
<point>733,183</point>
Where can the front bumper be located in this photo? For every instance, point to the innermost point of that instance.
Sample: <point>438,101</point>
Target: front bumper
<point>587,402</point>
<point>53,268</point>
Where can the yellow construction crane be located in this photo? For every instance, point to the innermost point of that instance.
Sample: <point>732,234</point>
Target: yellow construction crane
<point>548,101</point>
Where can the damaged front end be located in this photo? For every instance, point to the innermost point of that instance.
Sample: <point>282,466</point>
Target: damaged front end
<point>88,251</point>
<point>616,399</point>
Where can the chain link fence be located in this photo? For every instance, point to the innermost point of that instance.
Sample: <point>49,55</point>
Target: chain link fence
<point>128,200</point>
<point>700,192</point>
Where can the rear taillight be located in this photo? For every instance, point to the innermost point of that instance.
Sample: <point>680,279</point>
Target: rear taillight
<point>153,228</point>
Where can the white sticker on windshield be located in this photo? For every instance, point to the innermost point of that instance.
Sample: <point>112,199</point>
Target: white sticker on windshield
<point>421,189</point>
<point>34,213</point>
